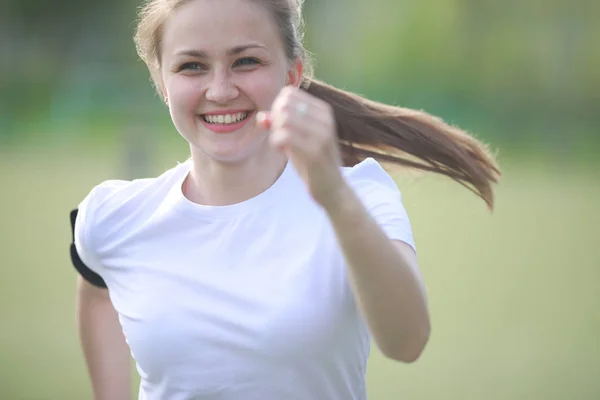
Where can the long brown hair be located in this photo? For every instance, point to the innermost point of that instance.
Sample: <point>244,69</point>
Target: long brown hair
<point>365,128</point>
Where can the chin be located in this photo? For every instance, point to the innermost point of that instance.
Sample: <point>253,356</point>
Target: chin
<point>231,148</point>
<point>227,154</point>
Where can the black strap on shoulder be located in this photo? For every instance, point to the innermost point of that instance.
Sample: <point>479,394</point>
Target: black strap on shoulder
<point>83,269</point>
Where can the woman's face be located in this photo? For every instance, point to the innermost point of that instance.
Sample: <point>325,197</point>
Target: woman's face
<point>222,61</point>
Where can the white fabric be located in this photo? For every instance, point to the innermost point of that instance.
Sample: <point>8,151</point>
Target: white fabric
<point>243,302</point>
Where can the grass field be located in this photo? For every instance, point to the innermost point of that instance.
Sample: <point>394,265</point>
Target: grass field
<point>515,295</point>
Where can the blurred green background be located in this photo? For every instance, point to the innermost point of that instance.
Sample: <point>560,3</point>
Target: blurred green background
<point>515,294</point>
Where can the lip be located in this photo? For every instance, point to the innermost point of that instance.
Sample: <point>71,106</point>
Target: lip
<point>225,112</point>
<point>222,128</point>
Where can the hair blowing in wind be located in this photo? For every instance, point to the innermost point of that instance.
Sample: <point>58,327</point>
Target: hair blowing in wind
<point>396,135</point>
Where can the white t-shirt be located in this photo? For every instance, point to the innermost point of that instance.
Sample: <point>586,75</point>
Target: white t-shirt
<point>243,302</point>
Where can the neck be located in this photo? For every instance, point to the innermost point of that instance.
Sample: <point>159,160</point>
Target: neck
<point>216,183</point>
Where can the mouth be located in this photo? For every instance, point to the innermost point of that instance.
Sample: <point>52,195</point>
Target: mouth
<point>226,122</point>
<point>225,119</point>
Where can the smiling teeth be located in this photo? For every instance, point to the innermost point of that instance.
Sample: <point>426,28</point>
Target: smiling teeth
<point>225,119</point>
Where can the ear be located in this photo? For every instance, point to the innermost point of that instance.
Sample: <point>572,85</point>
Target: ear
<point>163,90</point>
<point>295,73</point>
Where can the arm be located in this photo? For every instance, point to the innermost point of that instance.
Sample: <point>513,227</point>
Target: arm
<point>383,273</point>
<point>384,279</point>
<point>105,350</point>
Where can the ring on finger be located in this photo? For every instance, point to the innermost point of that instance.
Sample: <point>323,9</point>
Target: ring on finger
<point>301,109</point>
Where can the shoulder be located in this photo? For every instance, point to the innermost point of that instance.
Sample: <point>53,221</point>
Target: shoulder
<point>370,175</point>
<point>381,196</point>
<point>114,195</point>
<point>110,210</point>
<point>112,204</point>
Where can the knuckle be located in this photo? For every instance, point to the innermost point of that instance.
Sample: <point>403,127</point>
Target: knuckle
<point>285,119</point>
<point>290,91</point>
<point>287,107</point>
<point>286,96</point>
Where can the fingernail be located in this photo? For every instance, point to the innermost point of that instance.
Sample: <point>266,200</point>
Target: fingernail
<point>262,119</point>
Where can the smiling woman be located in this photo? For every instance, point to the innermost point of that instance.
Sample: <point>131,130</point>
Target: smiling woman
<point>262,267</point>
<point>220,59</point>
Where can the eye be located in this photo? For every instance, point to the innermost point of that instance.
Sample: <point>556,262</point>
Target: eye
<point>192,66</point>
<point>246,62</point>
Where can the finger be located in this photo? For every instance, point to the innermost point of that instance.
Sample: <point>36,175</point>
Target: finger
<point>282,99</point>
<point>263,119</point>
<point>280,139</point>
<point>310,124</point>
<point>312,101</point>
<point>296,142</point>
<point>283,119</point>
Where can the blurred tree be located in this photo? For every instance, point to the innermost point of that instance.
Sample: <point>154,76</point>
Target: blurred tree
<point>516,67</point>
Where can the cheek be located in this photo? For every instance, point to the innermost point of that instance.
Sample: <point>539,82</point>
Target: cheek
<point>184,93</point>
<point>262,88</point>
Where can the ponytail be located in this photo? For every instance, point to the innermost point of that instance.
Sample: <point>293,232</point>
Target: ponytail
<point>365,128</point>
<point>410,138</point>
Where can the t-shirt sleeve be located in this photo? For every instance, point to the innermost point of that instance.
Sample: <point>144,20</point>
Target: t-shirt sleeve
<point>382,198</point>
<point>82,251</point>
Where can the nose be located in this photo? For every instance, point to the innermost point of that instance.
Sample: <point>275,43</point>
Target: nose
<point>221,88</point>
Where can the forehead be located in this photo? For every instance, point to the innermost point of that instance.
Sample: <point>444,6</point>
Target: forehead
<point>216,25</point>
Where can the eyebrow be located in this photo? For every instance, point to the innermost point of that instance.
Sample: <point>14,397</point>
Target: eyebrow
<point>231,52</point>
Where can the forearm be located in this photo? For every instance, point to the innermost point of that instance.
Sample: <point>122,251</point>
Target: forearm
<point>384,280</point>
<point>105,350</point>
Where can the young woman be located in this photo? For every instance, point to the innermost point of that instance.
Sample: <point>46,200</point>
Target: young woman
<point>262,267</point>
